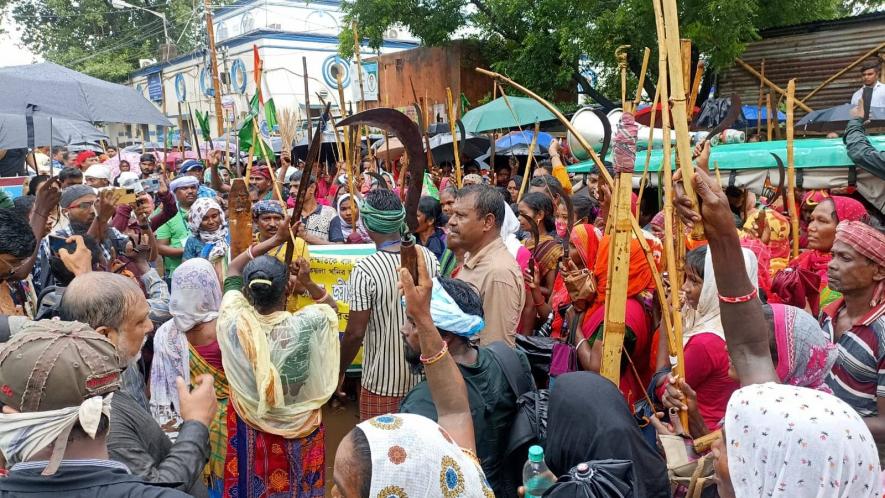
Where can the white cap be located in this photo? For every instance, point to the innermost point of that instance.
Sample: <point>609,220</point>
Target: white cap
<point>129,179</point>
<point>98,171</point>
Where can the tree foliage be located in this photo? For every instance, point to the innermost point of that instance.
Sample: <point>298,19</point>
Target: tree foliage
<point>540,42</point>
<point>93,37</point>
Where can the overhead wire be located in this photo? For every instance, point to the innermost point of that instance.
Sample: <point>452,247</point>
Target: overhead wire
<point>139,37</point>
<point>153,28</point>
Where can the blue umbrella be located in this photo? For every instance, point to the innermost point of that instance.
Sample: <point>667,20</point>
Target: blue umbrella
<point>517,143</point>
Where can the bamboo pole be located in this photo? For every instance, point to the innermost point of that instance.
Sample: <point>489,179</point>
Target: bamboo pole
<point>750,69</point>
<point>844,70</point>
<point>695,88</point>
<point>450,111</point>
<point>759,104</point>
<point>791,169</point>
<point>619,269</point>
<point>621,56</point>
<point>674,334</point>
<point>646,54</point>
<point>677,97</point>
<point>685,51</point>
<point>651,132</point>
<point>528,162</point>
<point>768,116</point>
<point>307,102</point>
<point>226,145</point>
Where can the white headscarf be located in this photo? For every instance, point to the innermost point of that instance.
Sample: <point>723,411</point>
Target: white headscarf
<point>786,441</point>
<point>195,215</point>
<point>508,231</point>
<point>195,299</point>
<point>706,319</point>
<point>22,435</point>
<point>413,456</point>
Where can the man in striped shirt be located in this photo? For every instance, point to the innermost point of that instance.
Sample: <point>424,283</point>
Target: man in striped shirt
<point>856,323</point>
<point>376,310</point>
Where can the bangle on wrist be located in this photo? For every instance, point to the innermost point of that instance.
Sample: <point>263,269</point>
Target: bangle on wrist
<point>739,299</point>
<point>435,358</point>
<point>322,297</point>
<point>249,252</point>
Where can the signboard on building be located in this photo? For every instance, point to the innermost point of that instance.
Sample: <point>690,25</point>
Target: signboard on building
<point>155,87</point>
<point>370,82</point>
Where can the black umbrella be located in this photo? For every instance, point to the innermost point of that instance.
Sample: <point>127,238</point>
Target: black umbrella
<point>473,146</point>
<point>835,118</point>
<point>52,90</point>
<point>13,132</point>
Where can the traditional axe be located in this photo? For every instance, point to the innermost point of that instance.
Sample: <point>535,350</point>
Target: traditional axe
<point>313,154</point>
<point>409,135</point>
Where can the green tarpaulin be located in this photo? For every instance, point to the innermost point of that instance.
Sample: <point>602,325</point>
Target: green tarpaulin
<point>808,153</point>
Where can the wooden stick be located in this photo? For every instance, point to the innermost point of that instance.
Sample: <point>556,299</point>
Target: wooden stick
<point>777,123</point>
<point>249,163</point>
<point>759,105</point>
<point>683,140</point>
<point>180,135</point>
<point>750,69</point>
<point>844,70</point>
<point>791,169</point>
<point>451,113</point>
<point>621,56</point>
<point>651,133</point>
<point>695,88</point>
<point>685,50</point>
<point>768,116</point>
<point>619,269</point>
<point>528,162</point>
<point>226,145</point>
<point>674,335</point>
<point>646,54</point>
<point>307,102</point>
<point>359,67</point>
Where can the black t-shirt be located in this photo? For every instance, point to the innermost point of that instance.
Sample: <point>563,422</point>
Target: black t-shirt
<point>13,163</point>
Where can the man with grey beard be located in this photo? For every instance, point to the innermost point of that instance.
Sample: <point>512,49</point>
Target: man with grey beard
<point>115,307</point>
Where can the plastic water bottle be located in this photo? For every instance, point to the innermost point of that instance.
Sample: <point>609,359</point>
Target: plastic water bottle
<point>536,477</point>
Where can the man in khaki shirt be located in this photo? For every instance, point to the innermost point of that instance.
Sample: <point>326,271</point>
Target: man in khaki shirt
<point>475,227</point>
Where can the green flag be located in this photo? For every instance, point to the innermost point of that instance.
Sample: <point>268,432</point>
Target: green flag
<point>429,188</point>
<point>264,119</point>
<point>203,120</point>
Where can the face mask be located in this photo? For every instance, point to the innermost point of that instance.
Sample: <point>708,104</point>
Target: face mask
<point>561,227</point>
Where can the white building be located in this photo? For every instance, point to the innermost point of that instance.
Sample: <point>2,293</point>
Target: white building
<point>284,32</point>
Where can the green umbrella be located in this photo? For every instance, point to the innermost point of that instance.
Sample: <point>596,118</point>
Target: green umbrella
<point>496,115</point>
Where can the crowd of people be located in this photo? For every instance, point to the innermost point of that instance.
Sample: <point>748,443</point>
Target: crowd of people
<point>140,355</point>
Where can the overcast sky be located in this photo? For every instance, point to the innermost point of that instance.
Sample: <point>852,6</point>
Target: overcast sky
<point>13,54</point>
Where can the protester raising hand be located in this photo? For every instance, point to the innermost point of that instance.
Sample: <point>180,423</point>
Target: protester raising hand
<point>80,261</point>
<point>746,331</point>
<point>447,387</point>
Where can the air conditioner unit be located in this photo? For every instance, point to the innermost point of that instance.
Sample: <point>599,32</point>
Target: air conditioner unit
<point>276,26</point>
<point>146,62</point>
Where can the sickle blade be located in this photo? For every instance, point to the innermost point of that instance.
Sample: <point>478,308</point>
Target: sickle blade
<point>734,112</point>
<point>780,185</point>
<point>313,154</point>
<point>402,127</point>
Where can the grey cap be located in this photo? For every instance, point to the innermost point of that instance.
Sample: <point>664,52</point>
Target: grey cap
<point>74,192</point>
